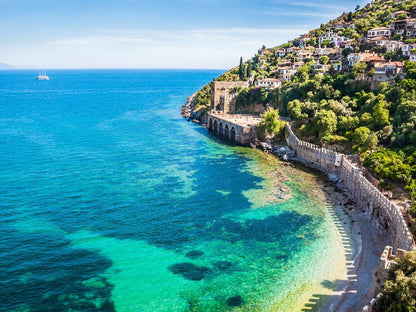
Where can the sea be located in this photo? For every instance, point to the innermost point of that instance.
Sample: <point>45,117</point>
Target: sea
<point>111,201</point>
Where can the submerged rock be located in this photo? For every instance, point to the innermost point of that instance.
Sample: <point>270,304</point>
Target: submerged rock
<point>189,271</point>
<point>235,301</point>
<point>223,265</point>
<point>194,254</point>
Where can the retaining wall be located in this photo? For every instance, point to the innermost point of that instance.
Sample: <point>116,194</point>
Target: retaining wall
<point>377,208</point>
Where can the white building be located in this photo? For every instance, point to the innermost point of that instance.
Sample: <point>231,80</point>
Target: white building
<point>333,38</point>
<point>268,83</point>
<point>379,31</point>
<point>388,71</point>
<point>383,41</point>
<point>286,73</point>
<point>280,53</point>
<point>407,48</point>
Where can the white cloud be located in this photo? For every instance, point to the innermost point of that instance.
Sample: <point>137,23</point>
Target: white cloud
<point>297,13</point>
<point>318,5</point>
<point>124,48</point>
<point>152,36</point>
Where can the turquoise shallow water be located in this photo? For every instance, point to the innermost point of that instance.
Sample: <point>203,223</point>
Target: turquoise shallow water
<point>110,201</point>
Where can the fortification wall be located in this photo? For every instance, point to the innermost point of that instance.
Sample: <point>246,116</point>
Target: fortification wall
<point>322,158</point>
<point>377,208</point>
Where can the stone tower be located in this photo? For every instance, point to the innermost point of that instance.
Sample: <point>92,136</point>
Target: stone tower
<point>223,95</point>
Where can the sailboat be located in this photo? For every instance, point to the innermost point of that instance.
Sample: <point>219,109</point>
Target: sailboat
<point>42,75</point>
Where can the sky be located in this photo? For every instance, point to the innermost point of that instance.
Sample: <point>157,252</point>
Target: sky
<point>153,33</point>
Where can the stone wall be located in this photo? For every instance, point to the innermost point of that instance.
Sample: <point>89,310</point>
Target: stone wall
<point>321,158</point>
<point>377,208</point>
<point>223,95</point>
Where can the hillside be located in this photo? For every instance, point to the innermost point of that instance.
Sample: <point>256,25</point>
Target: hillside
<point>349,85</point>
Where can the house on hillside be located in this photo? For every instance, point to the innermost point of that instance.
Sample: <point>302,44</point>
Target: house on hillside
<point>322,68</point>
<point>304,55</point>
<point>268,83</point>
<point>379,31</point>
<point>412,57</point>
<point>382,41</point>
<point>407,48</point>
<point>263,53</point>
<point>292,49</point>
<point>286,73</point>
<point>333,37</point>
<point>281,53</point>
<point>349,44</point>
<point>354,58</point>
<point>398,14</point>
<point>388,71</point>
<point>336,65</point>
<point>297,65</point>
<point>323,51</point>
<point>411,29</point>
<point>372,60</point>
<point>404,27</point>
<point>340,26</point>
<point>303,40</point>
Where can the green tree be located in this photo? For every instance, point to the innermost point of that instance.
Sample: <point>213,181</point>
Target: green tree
<point>327,43</point>
<point>324,59</point>
<point>380,115</point>
<point>325,122</point>
<point>312,42</point>
<point>347,123</point>
<point>364,140</point>
<point>271,123</point>
<point>359,69</point>
<point>399,293</point>
<point>248,71</point>
<point>360,136</point>
<point>241,69</point>
<point>294,109</point>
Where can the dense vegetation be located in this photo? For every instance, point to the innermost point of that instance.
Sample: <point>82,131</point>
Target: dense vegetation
<point>399,294</point>
<point>378,124</point>
<point>271,125</point>
<point>249,96</point>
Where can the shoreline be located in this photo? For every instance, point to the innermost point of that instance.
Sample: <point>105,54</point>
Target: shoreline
<point>362,253</point>
<point>362,244</point>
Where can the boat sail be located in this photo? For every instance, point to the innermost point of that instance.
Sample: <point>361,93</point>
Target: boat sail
<point>42,75</point>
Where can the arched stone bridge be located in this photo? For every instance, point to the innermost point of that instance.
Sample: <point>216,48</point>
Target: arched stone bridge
<point>239,128</point>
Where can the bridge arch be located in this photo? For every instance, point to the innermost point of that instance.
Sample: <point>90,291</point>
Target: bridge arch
<point>226,131</point>
<point>221,129</point>
<point>210,125</point>
<point>232,133</point>
<point>215,126</point>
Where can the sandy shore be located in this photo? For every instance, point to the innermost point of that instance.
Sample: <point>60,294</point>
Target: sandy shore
<point>363,245</point>
<point>362,258</point>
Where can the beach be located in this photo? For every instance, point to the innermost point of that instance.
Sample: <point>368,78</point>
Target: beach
<point>363,245</point>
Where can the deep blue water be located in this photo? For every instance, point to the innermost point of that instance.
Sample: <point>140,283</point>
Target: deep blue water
<point>110,200</point>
